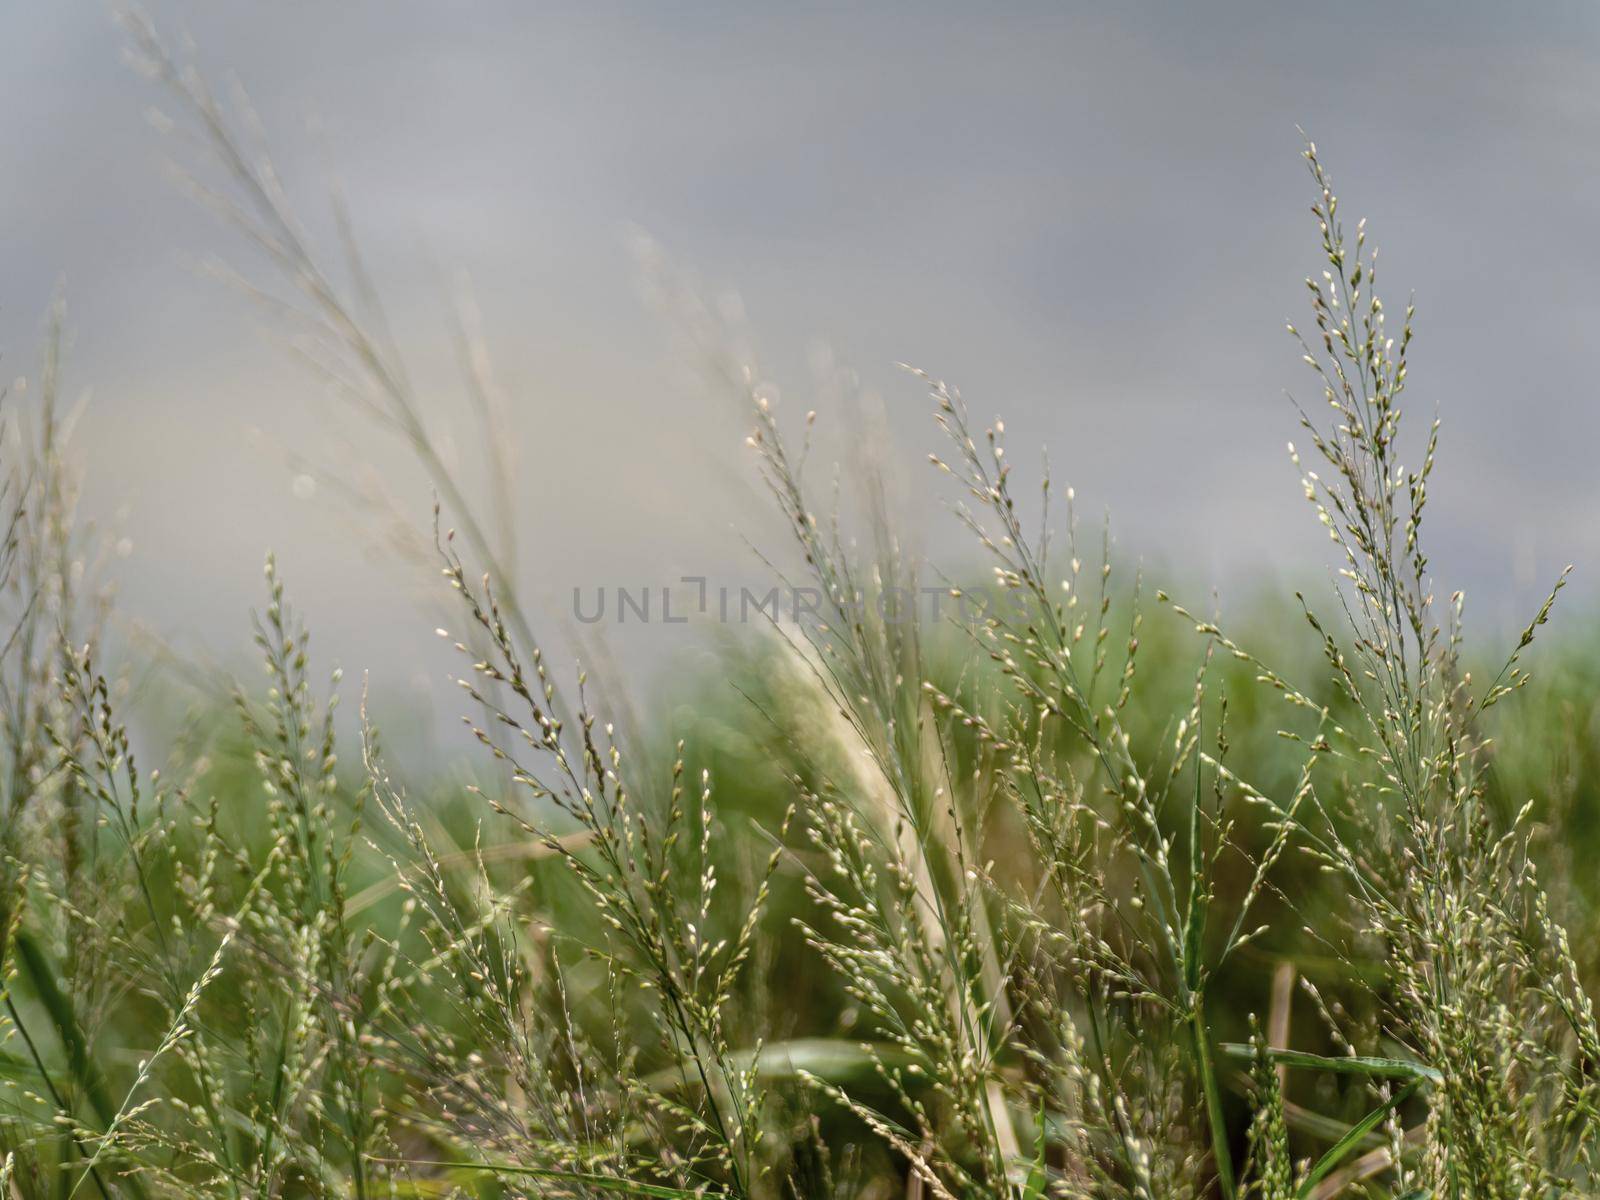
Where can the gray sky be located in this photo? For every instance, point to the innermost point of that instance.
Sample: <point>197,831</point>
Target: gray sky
<point>1091,217</point>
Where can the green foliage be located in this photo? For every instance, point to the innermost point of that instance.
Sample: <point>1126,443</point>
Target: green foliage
<point>971,908</point>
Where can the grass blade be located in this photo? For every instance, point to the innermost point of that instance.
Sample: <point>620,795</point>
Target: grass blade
<point>604,1183</point>
<point>1388,1068</point>
<point>1352,1139</point>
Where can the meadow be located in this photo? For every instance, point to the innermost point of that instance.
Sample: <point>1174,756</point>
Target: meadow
<point>1089,894</point>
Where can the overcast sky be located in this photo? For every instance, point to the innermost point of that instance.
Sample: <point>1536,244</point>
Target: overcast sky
<point>1091,217</point>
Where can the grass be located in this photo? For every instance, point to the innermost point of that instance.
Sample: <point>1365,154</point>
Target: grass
<point>1076,897</point>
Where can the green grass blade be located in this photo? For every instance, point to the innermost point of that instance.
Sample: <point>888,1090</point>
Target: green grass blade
<point>1352,1139</point>
<point>64,1017</point>
<point>1388,1068</point>
<point>1195,920</point>
<point>65,1020</point>
<point>1212,1092</point>
<point>604,1183</point>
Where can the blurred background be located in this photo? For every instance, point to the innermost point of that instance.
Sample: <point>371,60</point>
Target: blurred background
<point>1091,218</point>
